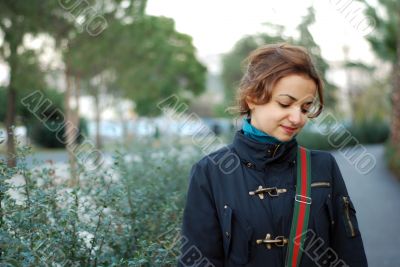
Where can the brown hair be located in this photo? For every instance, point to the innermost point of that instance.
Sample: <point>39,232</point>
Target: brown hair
<point>269,63</point>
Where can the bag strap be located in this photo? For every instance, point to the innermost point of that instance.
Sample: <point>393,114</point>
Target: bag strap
<point>301,210</point>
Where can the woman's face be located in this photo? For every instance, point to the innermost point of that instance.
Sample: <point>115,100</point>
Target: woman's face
<point>286,113</point>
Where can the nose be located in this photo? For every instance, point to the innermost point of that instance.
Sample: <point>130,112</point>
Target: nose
<point>296,116</point>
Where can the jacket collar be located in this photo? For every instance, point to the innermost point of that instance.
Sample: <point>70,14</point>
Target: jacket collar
<point>258,155</point>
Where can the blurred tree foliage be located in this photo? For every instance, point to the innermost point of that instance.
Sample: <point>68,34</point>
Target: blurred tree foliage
<point>140,57</point>
<point>372,102</point>
<point>136,56</point>
<point>28,68</point>
<point>384,38</point>
<point>232,69</point>
<point>154,62</point>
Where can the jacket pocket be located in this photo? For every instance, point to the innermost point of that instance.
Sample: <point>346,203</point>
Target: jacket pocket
<point>321,184</point>
<point>349,217</point>
<point>227,228</point>
<point>237,237</point>
<point>324,221</point>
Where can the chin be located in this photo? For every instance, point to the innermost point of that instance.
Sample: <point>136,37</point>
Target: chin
<point>285,138</point>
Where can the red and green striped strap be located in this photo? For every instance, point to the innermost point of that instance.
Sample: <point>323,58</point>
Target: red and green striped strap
<point>301,208</point>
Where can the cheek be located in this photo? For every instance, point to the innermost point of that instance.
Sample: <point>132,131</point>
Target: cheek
<point>280,115</point>
<point>305,120</point>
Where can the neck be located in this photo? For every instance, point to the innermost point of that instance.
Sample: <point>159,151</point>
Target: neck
<point>252,132</point>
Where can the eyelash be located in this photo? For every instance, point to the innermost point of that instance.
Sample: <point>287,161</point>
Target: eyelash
<point>286,106</point>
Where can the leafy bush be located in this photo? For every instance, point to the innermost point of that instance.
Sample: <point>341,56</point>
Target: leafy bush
<point>313,140</point>
<point>43,136</point>
<point>125,213</point>
<point>49,113</point>
<point>368,132</point>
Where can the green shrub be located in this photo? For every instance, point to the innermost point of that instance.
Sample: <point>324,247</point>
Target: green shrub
<point>45,137</point>
<point>125,213</point>
<point>368,132</point>
<point>313,140</point>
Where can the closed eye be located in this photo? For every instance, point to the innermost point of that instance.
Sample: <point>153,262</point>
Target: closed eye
<point>283,105</point>
<point>303,109</point>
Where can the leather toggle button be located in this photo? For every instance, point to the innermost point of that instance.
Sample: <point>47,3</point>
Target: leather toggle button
<point>268,241</point>
<point>272,191</point>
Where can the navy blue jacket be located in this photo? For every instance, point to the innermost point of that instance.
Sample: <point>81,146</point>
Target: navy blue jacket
<point>222,221</point>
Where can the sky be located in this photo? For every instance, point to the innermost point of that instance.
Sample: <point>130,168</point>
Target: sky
<point>216,25</point>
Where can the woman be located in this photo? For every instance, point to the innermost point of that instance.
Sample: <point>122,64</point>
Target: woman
<point>281,205</point>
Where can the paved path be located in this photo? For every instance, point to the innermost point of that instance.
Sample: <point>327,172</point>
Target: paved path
<point>376,197</point>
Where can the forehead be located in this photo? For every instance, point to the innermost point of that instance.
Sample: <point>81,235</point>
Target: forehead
<point>297,86</point>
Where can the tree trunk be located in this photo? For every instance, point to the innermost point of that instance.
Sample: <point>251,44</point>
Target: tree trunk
<point>70,137</point>
<point>77,96</point>
<point>11,107</point>
<point>395,127</point>
<point>97,118</point>
<point>10,123</point>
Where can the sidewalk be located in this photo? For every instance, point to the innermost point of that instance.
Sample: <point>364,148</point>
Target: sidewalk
<point>376,197</point>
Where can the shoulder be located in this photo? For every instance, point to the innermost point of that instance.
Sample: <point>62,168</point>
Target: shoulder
<point>322,159</point>
<point>321,155</point>
<point>217,158</point>
<point>211,166</point>
<point>324,166</point>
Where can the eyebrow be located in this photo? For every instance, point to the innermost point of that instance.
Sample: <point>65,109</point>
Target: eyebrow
<point>293,98</point>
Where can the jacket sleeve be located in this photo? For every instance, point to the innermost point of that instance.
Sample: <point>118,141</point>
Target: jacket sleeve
<point>346,238</point>
<point>201,233</point>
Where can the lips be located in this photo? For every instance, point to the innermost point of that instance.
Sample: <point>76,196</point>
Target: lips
<point>289,129</point>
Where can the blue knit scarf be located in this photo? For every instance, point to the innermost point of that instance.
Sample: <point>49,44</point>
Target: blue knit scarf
<point>254,133</point>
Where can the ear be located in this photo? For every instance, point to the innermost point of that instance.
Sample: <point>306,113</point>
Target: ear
<point>250,103</point>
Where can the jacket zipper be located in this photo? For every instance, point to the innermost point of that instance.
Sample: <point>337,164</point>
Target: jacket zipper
<point>321,184</point>
<point>347,213</point>
<point>276,148</point>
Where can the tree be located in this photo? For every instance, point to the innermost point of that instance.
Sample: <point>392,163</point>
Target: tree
<point>18,18</point>
<point>139,57</point>
<point>82,48</point>
<point>154,61</point>
<point>31,79</point>
<point>385,41</point>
